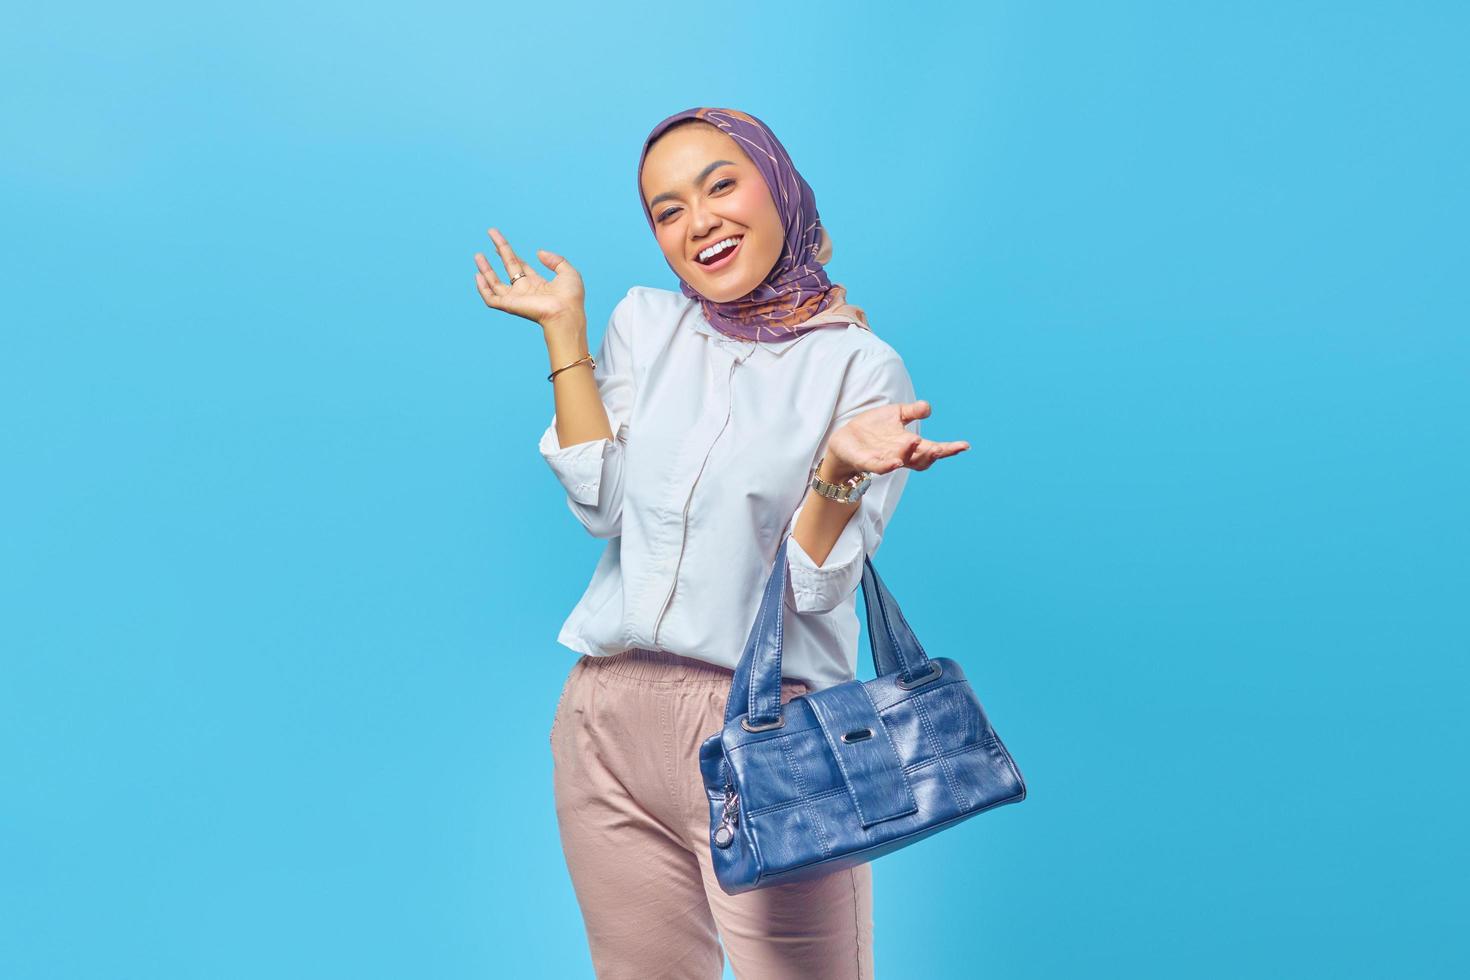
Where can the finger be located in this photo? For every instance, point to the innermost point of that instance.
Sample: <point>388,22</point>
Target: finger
<point>513,265</point>
<point>924,457</point>
<point>483,285</point>
<point>550,259</point>
<point>909,451</point>
<point>940,450</point>
<point>487,270</point>
<point>533,273</point>
<point>923,453</point>
<point>913,410</point>
<point>944,448</point>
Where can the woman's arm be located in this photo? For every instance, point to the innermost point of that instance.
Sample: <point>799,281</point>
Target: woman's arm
<point>877,431</point>
<point>580,413</point>
<point>829,538</point>
<point>584,443</point>
<point>823,519</point>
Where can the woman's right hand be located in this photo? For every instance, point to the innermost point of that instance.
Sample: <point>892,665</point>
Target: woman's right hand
<point>561,300</point>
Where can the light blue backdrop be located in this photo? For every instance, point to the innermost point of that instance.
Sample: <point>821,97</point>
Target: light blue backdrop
<point>282,569</point>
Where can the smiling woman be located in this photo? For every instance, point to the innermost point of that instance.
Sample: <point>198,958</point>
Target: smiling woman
<point>708,175</point>
<point>756,409</point>
<point>702,190</point>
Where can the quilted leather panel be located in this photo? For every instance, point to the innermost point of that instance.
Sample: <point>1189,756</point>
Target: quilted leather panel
<point>864,756</point>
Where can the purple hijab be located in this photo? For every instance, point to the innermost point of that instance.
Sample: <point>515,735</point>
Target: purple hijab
<point>797,289</point>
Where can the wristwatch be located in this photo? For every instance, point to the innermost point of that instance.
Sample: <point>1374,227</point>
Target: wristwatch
<point>849,491</point>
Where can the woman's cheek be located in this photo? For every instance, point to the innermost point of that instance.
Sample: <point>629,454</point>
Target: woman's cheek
<point>747,209</point>
<point>672,252</point>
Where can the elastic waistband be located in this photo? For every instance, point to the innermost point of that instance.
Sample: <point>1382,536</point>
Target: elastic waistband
<point>660,666</point>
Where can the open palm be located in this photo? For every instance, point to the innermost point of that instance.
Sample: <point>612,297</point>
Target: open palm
<point>877,442</point>
<point>546,301</point>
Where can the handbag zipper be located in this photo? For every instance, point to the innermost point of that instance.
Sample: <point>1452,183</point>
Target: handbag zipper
<point>684,528</point>
<point>725,830</point>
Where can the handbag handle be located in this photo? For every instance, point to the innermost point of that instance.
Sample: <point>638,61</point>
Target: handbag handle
<point>756,688</point>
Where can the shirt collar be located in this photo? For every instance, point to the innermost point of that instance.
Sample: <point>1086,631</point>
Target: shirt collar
<point>743,347</point>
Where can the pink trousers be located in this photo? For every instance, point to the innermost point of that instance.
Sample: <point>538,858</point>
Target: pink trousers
<point>634,823</point>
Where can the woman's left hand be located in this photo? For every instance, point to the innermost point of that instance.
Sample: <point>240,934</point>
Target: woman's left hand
<point>877,442</point>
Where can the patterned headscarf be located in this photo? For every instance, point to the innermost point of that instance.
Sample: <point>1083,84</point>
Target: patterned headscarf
<point>796,295</point>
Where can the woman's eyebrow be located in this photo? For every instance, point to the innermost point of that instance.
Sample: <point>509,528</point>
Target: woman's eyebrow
<point>695,182</point>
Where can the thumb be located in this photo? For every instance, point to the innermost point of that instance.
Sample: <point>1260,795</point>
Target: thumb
<point>913,410</point>
<point>550,259</point>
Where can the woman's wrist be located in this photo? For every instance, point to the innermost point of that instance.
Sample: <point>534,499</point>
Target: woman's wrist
<point>568,321</point>
<point>835,470</point>
<point>565,343</point>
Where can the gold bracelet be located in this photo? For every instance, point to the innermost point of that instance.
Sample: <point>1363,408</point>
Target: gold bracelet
<point>586,357</point>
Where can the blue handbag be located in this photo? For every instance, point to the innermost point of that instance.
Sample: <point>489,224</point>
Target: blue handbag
<point>837,777</point>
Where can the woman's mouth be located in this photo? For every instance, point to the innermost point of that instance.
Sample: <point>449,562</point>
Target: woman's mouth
<point>723,257</point>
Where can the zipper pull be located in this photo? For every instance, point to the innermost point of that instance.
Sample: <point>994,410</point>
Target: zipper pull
<point>725,832</point>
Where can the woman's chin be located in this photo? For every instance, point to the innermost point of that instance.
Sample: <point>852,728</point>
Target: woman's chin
<point>725,295</point>
<point>722,289</point>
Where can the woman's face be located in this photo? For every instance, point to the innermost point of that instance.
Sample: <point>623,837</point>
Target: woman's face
<point>701,189</point>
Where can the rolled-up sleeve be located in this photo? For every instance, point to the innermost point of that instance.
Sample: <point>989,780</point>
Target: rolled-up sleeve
<point>821,588</point>
<point>592,472</point>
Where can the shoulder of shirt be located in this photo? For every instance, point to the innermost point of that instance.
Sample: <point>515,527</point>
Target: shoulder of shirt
<point>649,308</point>
<point>666,305</point>
<point>861,346</point>
<point>869,346</point>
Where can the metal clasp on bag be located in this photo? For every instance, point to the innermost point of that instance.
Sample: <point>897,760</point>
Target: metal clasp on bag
<point>935,670</point>
<point>725,832</point>
<point>745,723</point>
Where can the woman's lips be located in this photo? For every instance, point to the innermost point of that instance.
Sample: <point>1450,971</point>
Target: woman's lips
<point>724,258</point>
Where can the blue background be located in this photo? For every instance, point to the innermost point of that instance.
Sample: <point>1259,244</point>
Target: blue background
<point>283,569</point>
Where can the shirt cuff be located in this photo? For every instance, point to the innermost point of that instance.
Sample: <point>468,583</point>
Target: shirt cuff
<point>579,467</point>
<point>822,588</point>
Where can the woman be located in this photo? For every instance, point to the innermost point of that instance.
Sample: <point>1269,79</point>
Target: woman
<point>694,442</point>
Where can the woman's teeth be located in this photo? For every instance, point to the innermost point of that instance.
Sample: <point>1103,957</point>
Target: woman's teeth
<point>718,250</point>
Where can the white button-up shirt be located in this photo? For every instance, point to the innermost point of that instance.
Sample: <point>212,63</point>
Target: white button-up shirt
<point>713,442</point>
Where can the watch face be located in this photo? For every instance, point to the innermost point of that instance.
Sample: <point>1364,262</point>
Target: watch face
<point>851,492</point>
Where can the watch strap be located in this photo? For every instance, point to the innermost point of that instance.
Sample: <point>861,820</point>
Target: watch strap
<point>845,491</point>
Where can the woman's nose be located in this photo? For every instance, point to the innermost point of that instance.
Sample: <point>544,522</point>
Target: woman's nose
<point>702,221</point>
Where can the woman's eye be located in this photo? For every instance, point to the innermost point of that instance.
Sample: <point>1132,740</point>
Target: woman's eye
<point>718,185</point>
